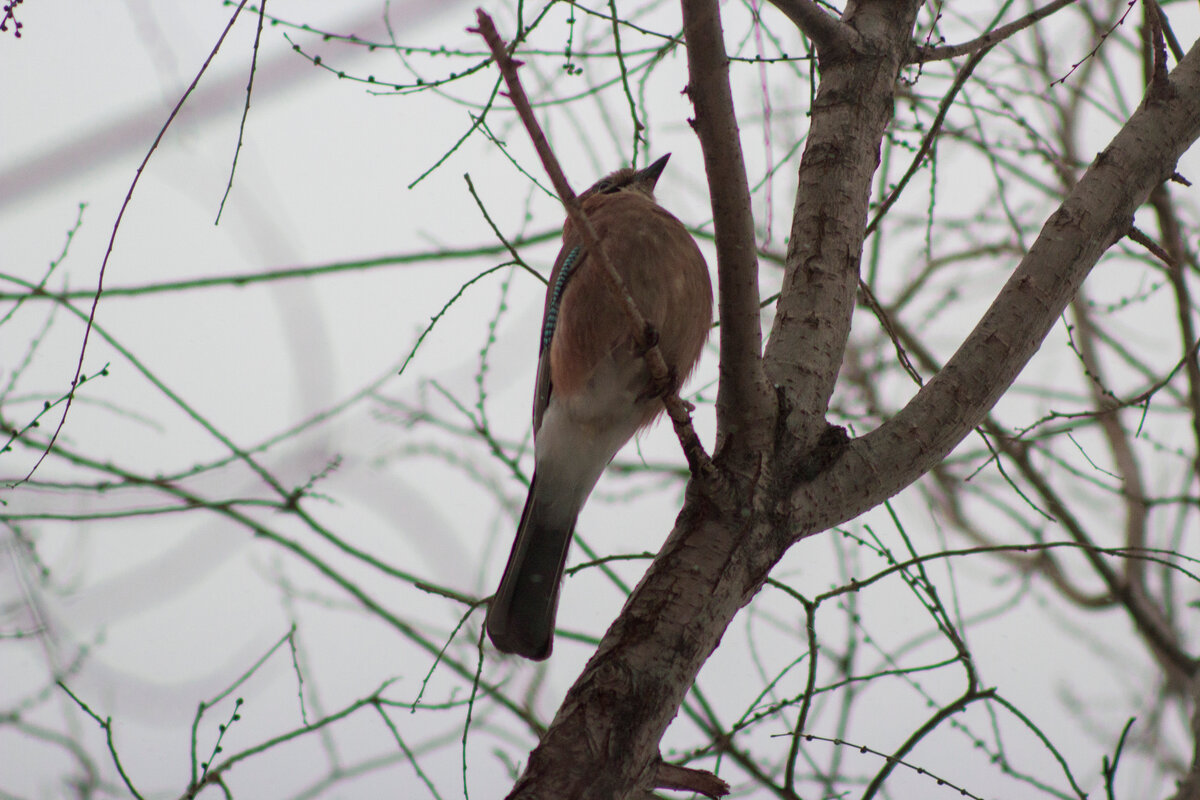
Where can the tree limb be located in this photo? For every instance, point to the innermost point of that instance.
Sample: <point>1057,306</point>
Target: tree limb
<point>852,110</point>
<point>1095,214</point>
<point>833,39</point>
<point>925,54</point>
<point>743,395</point>
<point>686,779</point>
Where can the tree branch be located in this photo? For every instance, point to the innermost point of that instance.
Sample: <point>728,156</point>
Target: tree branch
<point>852,110</point>
<point>686,779</point>
<point>925,54</point>
<point>743,396</point>
<point>833,39</point>
<point>1095,214</point>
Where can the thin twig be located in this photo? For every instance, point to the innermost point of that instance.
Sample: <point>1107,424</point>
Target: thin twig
<point>1158,80</point>
<point>113,238</point>
<point>1137,235</point>
<point>1171,39</point>
<point>512,251</point>
<point>1099,43</point>
<point>245,111</point>
<point>106,724</point>
<point>927,143</point>
<point>923,55</point>
<point>239,280</point>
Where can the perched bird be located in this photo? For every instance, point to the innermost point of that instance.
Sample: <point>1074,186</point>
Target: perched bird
<point>593,388</point>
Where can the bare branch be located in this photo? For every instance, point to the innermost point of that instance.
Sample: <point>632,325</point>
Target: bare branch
<point>1154,247</point>
<point>1154,18</point>
<point>743,395</point>
<point>1095,214</point>
<point>924,54</point>
<point>852,110</point>
<point>832,38</point>
<point>1177,260</point>
<point>931,135</point>
<point>1165,24</point>
<point>113,238</point>
<point>686,779</point>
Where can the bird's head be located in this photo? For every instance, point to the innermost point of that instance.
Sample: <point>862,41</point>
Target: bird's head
<point>629,179</point>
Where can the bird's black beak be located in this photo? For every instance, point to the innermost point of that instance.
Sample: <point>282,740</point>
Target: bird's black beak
<point>649,176</point>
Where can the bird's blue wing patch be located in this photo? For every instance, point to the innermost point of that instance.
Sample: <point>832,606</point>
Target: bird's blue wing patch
<point>556,294</point>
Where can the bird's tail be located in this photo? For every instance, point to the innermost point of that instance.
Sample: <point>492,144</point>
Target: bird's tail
<point>521,617</point>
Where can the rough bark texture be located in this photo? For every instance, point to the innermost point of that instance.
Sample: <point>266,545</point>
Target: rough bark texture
<point>852,109</point>
<point>604,741</point>
<point>745,402</point>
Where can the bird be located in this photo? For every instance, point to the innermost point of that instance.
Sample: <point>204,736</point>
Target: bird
<point>593,390</point>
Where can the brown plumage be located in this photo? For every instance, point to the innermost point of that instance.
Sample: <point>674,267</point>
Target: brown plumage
<point>593,389</point>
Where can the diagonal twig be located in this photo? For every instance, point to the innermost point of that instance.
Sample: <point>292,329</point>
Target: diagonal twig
<point>113,238</point>
<point>924,55</point>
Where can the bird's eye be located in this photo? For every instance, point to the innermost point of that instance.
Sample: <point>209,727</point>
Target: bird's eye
<point>605,187</point>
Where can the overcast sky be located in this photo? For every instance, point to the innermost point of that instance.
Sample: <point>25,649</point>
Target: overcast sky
<point>172,608</point>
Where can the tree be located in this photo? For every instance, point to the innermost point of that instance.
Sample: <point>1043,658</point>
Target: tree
<point>1068,477</point>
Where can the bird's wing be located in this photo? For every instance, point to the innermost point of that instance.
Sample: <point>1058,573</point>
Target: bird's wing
<point>570,258</point>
